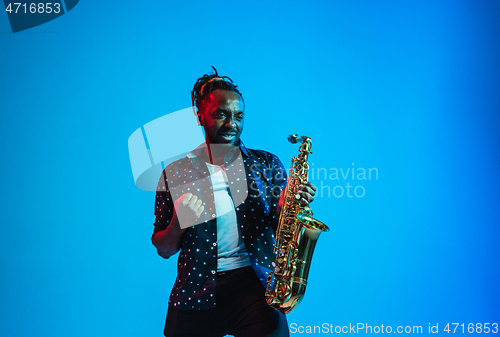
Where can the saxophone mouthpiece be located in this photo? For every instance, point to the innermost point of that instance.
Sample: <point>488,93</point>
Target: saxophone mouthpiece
<point>293,138</point>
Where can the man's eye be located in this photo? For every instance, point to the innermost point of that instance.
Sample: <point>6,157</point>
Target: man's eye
<point>239,117</point>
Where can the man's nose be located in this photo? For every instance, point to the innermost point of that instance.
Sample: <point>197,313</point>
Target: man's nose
<point>230,123</point>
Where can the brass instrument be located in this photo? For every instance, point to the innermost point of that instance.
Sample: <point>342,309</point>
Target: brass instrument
<point>296,238</point>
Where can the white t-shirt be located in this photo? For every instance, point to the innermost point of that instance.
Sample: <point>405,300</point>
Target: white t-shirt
<point>231,250</point>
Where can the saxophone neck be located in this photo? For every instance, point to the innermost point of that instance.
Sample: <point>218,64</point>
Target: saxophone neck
<point>305,148</point>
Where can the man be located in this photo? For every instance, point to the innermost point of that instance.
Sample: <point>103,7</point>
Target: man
<point>220,206</point>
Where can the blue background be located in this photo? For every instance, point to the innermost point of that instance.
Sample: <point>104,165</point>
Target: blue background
<point>409,88</point>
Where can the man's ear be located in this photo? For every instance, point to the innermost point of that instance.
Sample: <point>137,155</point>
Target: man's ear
<point>200,121</point>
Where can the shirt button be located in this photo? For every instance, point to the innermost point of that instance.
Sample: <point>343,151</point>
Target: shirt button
<point>214,244</point>
<point>213,271</point>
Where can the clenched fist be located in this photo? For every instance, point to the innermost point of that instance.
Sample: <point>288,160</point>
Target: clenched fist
<point>188,209</point>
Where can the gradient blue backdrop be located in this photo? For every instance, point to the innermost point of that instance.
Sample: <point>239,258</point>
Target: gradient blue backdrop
<point>409,88</point>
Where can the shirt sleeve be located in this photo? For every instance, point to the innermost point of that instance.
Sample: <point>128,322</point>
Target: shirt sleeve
<point>164,206</point>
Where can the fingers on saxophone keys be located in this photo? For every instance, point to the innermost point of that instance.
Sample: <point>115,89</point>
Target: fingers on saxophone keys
<point>310,187</point>
<point>306,198</point>
<point>309,190</point>
<point>303,202</point>
<point>313,187</point>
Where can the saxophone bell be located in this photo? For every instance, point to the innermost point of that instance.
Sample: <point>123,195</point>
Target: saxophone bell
<point>312,223</point>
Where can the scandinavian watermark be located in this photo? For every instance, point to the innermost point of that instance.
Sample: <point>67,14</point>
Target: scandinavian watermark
<point>330,181</point>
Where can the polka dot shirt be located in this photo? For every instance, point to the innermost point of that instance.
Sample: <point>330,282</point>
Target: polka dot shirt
<point>255,179</point>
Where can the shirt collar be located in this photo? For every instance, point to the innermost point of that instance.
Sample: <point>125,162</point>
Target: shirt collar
<point>243,148</point>
<point>200,150</point>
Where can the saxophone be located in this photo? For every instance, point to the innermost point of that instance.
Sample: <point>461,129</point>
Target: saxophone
<point>296,238</point>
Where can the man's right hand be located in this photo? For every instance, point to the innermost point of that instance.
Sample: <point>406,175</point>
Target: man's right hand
<point>188,209</point>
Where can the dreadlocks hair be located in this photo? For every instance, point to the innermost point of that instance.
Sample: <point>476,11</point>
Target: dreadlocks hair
<point>208,83</point>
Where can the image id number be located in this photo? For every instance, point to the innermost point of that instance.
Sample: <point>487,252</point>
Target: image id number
<point>471,328</point>
<point>42,7</point>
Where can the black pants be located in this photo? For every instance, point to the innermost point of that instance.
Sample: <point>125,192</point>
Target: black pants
<point>241,311</point>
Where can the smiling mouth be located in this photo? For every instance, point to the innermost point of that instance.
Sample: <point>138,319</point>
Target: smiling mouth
<point>228,135</point>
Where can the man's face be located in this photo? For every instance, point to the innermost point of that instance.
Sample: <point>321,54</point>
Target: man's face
<point>222,116</point>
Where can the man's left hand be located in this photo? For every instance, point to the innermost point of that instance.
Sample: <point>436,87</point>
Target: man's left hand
<point>307,193</point>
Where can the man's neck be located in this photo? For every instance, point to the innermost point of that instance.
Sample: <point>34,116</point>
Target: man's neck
<point>217,152</point>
